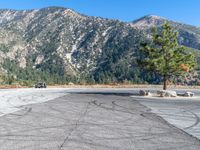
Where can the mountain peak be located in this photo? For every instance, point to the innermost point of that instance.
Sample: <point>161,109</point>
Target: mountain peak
<point>56,8</point>
<point>154,17</point>
<point>148,21</point>
<point>62,10</point>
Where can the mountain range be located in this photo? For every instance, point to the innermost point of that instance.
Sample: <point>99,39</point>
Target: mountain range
<point>59,45</point>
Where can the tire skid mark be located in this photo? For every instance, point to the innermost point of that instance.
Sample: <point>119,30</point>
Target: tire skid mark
<point>196,122</point>
<point>26,111</point>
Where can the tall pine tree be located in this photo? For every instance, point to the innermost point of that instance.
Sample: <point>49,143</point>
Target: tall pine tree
<point>164,56</point>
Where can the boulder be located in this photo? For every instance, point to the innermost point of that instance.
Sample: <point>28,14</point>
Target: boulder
<point>144,93</point>
<point>166,93</point>
<point>70,83</point>
<point>188,94</point>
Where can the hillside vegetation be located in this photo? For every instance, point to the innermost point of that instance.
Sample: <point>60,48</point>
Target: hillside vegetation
<point>59,45</point>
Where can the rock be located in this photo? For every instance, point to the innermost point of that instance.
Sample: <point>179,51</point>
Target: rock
<point>188,94</point>
<point>144,93</point>
<point>165,93</point>
<point>70,83</point>
<point>39,59</point>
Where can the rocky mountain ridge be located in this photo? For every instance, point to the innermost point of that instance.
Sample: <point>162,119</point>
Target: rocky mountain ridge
<point>62,44</point>
<point>188,35</point>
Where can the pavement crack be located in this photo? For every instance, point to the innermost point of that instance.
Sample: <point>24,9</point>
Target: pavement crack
<point>75,126</point>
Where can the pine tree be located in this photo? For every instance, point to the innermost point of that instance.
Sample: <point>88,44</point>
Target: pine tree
<point>164,56</point>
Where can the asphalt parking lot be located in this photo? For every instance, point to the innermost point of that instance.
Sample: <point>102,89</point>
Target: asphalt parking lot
<point>182,113</point>
<point>90,121</point>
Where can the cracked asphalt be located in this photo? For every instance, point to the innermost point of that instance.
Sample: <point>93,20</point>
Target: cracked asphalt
<point>90,121</point>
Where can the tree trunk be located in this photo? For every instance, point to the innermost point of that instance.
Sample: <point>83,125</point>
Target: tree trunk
<point>164,83</point>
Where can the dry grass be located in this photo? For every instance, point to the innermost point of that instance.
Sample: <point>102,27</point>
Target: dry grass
<point>11,86</point>
<point>122,86</point>
<point>106,86</point>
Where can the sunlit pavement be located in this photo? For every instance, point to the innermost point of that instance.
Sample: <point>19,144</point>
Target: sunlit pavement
<point>182,113</point>
<point>85,119</point>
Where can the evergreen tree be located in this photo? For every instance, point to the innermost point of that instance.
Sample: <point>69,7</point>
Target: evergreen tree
<point>164,56</point>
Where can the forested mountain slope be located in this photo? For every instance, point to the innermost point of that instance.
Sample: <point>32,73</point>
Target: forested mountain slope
<point>59,45</point>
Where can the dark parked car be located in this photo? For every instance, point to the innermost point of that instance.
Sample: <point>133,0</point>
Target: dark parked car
<point>40,85</point>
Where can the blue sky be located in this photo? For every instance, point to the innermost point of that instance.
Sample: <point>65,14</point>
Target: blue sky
<point>185,11</point>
